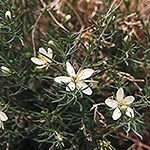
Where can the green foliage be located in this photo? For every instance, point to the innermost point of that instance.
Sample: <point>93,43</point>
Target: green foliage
<point>41,114</point>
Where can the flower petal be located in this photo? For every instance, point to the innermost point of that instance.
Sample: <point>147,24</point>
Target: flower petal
<point>62,79</point>
<point>47,55</point>
<point>50,53</point>
<point>37,61</point>
<point>84,74</point>
<point>120,94</point>
<point>111,103</point>
<point>116,114</point>
<point>3,116</point>
<point>87,91</point>
<point>84,87</point>
<point>42,51</point>
<point>70,86</point>
<point>1,125</point>
<point>129,112</point>
<point>128,100</point>
<point>41,67</point>
<point>70,69</point>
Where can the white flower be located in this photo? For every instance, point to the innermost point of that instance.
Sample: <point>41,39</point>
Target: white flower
<point>8,15</point>
<point>76,80</point>
<point>44,58</point>
<point>3,117</point>
<point>6,71</point>
<point>120,104</point>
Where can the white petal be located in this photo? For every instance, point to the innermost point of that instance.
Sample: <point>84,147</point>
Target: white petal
<point>42,66</point>
<point>62,79</point>
<point>87,91</point>
<point>81,85</point>
<point>50,53</point>
<point>84,74</point>
<point>3,116</point>
<point>128,100</point>
<point>116,114</point>
<point>37,61</point>
<point>120,94</point>
<point>5,69</point>
<point>70,86</point>
<point>84,87</point>
<point>111,103</point>
<point>70,69</point>
<point>43,51</point>
<point>1,125</point>
<point>129,112</point>
<point>90,81</point>
<point>8,15</point>
<point>47,55</point>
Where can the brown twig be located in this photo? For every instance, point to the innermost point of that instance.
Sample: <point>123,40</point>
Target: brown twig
<point>52,16</point>
<point>100,116</point>
<point>78,17</point>
<point>110,9</point>
<point>134,141</point>
<point>55,20</point>
<point>38,19</point>
<point>33,30</point>
<point>86,135</point>
<point>129,77</point>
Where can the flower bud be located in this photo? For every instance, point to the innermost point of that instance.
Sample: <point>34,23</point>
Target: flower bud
<point>67,18</point>
<point>8,15</point>
<point>6,71</point>
<point>51,42</point>
<point>105,145</point>
<point>126,39</point>
<point>59,137</point>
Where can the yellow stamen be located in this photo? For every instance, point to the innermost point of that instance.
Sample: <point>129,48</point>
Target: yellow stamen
<point>43,58</point>
<point>121,103</point>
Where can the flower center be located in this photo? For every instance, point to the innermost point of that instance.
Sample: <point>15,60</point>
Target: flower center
<point>122,106</point>
<point>75,79</point>
<point>121,103</point>
<point>43,58</point>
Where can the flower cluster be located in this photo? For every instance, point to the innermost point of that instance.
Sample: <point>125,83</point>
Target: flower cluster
<point>73,80</point>
<point>79,81</point>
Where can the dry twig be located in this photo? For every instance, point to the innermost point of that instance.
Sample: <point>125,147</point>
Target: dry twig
<point>134,141</point>
<point>33,31</point>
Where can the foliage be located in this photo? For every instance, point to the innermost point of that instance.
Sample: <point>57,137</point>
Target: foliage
<point>110,37</point>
